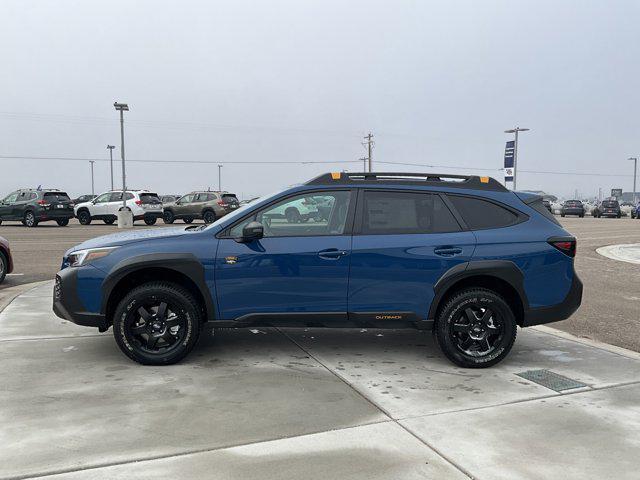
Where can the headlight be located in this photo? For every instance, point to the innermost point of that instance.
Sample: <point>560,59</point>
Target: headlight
<point>83,257</point>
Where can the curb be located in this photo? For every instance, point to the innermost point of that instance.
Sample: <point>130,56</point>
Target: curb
<point>8,295</point>
<point>588,342</point>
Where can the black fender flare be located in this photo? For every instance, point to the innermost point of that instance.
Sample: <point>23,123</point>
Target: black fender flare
<point>184,263</point>
<point>503,269</point>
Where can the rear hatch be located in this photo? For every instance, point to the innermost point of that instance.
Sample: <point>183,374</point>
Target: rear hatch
<point>150,201</point>
<point>229,201</point>
<point>610,206</point>
<point>56,201</point>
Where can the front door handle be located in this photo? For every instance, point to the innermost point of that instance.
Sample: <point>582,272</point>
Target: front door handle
<point>447,251</point>
<point>331,253</point>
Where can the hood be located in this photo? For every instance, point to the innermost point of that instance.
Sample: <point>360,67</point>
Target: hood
<point>132,236</point>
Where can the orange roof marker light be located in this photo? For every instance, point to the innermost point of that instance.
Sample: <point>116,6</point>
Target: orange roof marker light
<point>335,175</point>
<point>484,179</point>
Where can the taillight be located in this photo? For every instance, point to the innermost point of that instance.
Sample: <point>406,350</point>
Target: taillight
<point>566,246</point>
<point>222,204</point>
<point>138,202</point>
<point>43,203</point>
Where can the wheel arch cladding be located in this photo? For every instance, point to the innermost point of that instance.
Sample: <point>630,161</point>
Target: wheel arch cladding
<point>183,269</point>
<point>501,276</point>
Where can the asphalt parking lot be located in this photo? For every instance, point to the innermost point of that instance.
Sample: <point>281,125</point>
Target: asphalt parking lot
<point>610,310</point>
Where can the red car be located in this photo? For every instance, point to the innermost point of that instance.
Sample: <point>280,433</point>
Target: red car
<point>6,263</point>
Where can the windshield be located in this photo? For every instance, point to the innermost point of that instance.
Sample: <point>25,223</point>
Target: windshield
<point>243,209</point>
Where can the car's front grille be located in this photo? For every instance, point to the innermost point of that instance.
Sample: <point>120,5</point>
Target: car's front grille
<point>57,289</point>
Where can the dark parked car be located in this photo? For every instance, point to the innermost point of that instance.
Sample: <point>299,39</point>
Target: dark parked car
<point>572,207</point>
<point>34,206</point>
<point>608,208</point>
<point>209,206</point>
<point>461,256</point>
<point>83,198</point>
<point>6,263</point>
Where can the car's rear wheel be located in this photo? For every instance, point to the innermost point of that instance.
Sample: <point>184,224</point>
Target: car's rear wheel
<point>168,217</point>
<point>3,267</point>
<point>62,222</point>
<point>30,219</point>
<point>209,216</point>
<point>476,328</point>
<point>84,217</point>
<point>187,219</point>
<point>292,215</point>
<point>108,221</point>
<point>157,323</point>
<point>149,220</point>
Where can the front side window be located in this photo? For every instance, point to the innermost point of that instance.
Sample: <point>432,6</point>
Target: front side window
<point>481,214</point>
<point>103,198</point>
<point>304,215</point>
<point>405,213</point>
<point>187,199</point>
<point>116,197</point>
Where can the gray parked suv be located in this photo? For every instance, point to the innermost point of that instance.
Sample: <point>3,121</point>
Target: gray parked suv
<point>209,206</point>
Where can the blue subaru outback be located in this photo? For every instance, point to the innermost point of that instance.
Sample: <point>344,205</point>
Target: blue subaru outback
<point>459,255</point>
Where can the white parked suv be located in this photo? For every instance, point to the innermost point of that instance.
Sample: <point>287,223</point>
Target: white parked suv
<point>144,205</point>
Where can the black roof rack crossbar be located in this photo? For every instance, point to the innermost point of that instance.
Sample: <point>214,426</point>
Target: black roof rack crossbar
<point>410,178</point>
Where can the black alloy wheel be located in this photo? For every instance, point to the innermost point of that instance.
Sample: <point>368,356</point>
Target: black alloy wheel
<point>168,217</point>
<point>149,220</point>
<point>62,222</point>
<point>187,219</point>
<point>109,221</point>
<point>157,323</point>
<point>476,328</point>
<point>209,216</point>
<point>84,217</point>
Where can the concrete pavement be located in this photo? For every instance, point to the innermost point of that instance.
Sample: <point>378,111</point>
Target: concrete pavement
<point>318,404</point>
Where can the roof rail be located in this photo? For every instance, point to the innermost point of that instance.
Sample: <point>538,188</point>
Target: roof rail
<point>409,178</point>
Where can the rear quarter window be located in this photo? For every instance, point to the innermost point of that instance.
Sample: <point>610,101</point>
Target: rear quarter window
<point>538,206</point>
<point>481,214</point>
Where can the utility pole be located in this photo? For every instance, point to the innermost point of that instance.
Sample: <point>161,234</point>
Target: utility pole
<point>515,151</point>
<point>364,163</point>
<point>111,147</point>
<point>369,144</point>
<point>219,177</point>
<point>93,190</point>
<point>635,171</point>
<point>123,216</point>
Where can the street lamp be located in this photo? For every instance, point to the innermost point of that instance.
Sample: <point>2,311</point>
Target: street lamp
<point>635,169</point>
<point>92,184</point>
<point>123,107</point>
<point>219,178</point>
<point>111,147</point>
<point>515,151</point>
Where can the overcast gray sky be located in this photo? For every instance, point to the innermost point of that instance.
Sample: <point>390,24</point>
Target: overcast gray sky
<point>437,83</point>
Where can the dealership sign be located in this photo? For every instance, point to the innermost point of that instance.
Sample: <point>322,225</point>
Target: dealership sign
<point>509,167</point>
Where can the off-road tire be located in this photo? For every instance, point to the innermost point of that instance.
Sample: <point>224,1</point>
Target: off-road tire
<point>84,217</point>
<point>178,298</point>
<point>63,222</point>
<point>453,310</point>
<point>30,219</point>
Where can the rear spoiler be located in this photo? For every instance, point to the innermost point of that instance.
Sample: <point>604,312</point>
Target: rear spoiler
<point>528,198</point>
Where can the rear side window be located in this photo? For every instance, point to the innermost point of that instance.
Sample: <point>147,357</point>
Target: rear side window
<point>56,197</point>
<point>480,214</point>
<point>149,198</point>
<point>405,212</point>
<point>539,207</point>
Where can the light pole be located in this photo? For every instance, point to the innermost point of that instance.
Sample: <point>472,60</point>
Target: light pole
<point>635,170</point>
<point>219,177</point>
<point>111,147</point>
<point>93,192</point>
<point>122,223</point>
<point>515,151</point>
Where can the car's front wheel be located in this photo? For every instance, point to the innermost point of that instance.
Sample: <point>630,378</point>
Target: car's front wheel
<point>84,217</point>
<point>187,219</point>
<point>157,323</point>
<point>30,219</point>
<point>209,216</point>
<point>63,222</point>
<point>109,221</point>
<point>476,328</point>
<point>149,220</point>
<point>168,217</point>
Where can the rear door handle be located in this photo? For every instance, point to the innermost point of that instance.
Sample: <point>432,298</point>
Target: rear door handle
<point>331,253</point>
<point>447,251</point>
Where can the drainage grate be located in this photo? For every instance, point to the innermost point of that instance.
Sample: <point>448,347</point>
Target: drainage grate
<point>551,380</point>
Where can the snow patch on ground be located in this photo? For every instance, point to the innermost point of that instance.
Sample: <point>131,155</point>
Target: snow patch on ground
<point>629,253</point>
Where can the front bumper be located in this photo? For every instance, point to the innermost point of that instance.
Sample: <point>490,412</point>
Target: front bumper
<point>67,304</point>
<point>555,313</point>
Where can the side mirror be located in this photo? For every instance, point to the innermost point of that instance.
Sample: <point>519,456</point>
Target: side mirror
<point>252,231</point>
